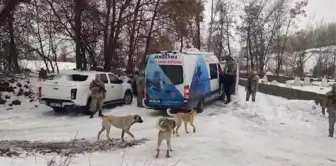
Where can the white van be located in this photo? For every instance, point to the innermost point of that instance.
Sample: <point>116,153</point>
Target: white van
<point>181,80</point>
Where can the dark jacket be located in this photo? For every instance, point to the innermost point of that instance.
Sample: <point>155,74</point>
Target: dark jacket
<point>252,83</point>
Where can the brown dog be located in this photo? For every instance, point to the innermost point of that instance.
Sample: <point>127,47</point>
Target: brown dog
<point>123,122</point>
<point>185,117</point>
<point>166,126</point>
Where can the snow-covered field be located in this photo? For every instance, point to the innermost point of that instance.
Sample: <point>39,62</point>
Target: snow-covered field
<point>309,88</point>
<point>271,132</point>
<point>314,87</point>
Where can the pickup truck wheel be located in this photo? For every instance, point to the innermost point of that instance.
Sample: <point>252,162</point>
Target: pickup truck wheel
<point>58,109</point>
<point>128,98</point>
<point>87,107</point>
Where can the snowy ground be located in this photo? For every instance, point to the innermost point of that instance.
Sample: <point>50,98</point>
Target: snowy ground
<point>271,132</point>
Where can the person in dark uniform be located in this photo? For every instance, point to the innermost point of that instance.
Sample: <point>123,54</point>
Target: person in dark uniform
<point>229,77</point>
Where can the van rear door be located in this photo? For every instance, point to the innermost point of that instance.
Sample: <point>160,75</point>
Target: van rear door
<point>164,81</point>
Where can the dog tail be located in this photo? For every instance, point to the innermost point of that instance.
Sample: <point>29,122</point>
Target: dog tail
<point>159,124</point>
<point>169,112</point>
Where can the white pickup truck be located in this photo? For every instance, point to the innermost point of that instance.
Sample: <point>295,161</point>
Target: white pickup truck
<point>71,90</point>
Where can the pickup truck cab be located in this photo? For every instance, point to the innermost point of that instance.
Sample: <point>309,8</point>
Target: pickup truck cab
<point>71,90</point>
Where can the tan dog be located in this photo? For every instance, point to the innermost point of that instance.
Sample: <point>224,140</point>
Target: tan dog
<point>166,126</point>
<point>185,117</point>
<point>123,122</point>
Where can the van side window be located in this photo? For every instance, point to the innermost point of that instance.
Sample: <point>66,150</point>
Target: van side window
<point>103,77</point>
<point>213,71</point>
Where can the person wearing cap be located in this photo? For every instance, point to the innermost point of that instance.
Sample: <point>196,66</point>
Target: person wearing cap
<point>252,86</point>
<point>330,104</point>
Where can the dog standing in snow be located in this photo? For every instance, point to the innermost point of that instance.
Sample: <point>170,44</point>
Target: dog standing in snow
<point>166,126</point>
<point>123,122</point>
<point>185,117</point>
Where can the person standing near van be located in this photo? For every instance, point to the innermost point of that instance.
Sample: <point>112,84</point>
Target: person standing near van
<point>98,90</point>
<point>228,79</point>
<point>252,86</point>
<point>330,104</point>
<point>140,85</point>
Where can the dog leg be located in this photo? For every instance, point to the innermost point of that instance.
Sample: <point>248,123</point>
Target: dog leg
<point>177,128</point>
<point>186,127</point>
<point>194,128</point>
<point>103,128</point>
<point>158,148</point>
<point>108,132</point>
<point>122,135</point>
<point>169,145</point>
<point>168,149</point>
<point>129,133</point>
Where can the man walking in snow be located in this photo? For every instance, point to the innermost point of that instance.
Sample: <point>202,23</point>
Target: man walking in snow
<point>330,104</point>
<point>252,86</point>
<point>228,78</point>
<point>98,90</point>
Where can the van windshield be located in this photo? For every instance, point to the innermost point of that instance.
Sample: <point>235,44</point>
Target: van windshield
<point>174,73</point>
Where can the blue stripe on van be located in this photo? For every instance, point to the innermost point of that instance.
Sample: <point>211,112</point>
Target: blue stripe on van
<point>200,84</point>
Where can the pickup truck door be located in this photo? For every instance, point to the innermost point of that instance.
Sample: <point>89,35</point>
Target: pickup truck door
<point>108,89</point>
<point>116,87</point>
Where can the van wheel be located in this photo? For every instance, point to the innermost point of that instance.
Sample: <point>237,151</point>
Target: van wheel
<point>200,106</point>
<point>59,109</point>
<point>128,98</point>
<point>222,96</point>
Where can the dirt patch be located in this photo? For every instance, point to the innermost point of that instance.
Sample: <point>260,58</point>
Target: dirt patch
<point>80,146</point>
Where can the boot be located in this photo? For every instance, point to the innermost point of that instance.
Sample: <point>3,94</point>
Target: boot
<point>100,113</point>
<point>331,133</point>
<point>227,101</point>
<point>92,114</point>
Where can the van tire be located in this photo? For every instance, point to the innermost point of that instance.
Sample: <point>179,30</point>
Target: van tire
<point>128,97</point>
<point>222,97</point>
<point>59,109</point>
<point>200,106</point>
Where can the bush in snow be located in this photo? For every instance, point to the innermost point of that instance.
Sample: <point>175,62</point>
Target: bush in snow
<point>20,93</point>
<point>2,101</point>
<point>274,82</point>
<point>264,80</point>
<point>19,84</point>
<point>16,102</point>
<point>297,81</point>
<point>4,86</point>
<point>306,81</point>
<point>324,82</point>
